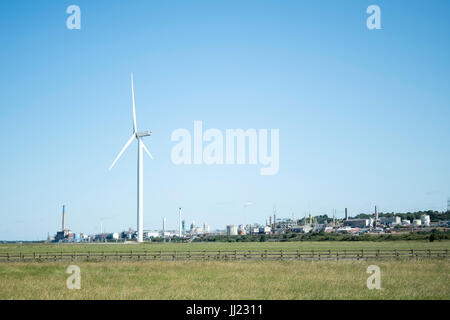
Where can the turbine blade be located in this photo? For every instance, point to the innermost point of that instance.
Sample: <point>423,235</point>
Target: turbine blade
<point>122,151</point>
<point>146,150</point>
<point>134,107</point>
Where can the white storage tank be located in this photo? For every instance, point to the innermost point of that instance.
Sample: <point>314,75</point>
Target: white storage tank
<point>406,222</point>
<point>425,219</point>
<point>417,222</point>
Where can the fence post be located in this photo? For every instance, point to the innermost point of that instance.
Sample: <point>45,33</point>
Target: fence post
<point>235,254</point>
<point>281,254</point>
<point>362,253</point>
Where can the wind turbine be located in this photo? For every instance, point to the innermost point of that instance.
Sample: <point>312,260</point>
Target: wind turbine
<point>138,135</point>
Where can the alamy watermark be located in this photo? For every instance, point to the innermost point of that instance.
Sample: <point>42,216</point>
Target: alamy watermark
<point>74,280</point>
<point>74,20</point>
<point>239,147</point>
<point>374,281</point>
<point>374,20</point>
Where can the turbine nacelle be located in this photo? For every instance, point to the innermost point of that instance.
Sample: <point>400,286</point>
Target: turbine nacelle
<point>141,134</point>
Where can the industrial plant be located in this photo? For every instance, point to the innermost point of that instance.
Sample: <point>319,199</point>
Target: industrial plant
<point>374,223</point>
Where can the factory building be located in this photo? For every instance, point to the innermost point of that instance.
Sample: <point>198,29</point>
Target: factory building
<point>357,223</point>
<point>151,234</point>
<point>301,229</point>
<point>232,230</point>
<point>65,234</point>
<point>113,236</point>
<point>265,230</point>
<point>391,220</point>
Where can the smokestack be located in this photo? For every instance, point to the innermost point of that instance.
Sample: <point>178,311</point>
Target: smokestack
<point>179,221</point>
<point>376,213</point>
<point>64,218</point>
<point>346,214</point>
<point>270,222</point>
<point>164,225</point>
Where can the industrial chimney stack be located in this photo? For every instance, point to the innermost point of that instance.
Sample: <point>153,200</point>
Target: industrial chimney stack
<point>376,213</point>
<point>346,214</point>
<point>64,218</point>
<point>179,222</point>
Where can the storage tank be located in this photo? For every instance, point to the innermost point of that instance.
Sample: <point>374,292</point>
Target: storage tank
<point>425,219</point>
<point>406,222</point>
<point>417,222</point>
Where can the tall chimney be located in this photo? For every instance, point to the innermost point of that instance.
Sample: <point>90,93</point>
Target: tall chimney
<point>346,214</point>
<point>64,218</point>
<point>376,213</point>
<point>270,222</point>
<point>179,221</point>
<point>164,225</point>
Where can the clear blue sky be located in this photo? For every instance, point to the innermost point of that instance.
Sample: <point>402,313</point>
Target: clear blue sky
<point>363,114</point>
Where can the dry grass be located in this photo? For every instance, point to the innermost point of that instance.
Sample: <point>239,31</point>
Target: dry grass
<point>412,279</point>
<point>213,246</point>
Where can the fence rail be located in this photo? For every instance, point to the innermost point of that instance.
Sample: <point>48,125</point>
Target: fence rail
<point>223,255</point>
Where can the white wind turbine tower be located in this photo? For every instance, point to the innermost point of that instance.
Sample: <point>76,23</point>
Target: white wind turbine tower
<point>140,170</point>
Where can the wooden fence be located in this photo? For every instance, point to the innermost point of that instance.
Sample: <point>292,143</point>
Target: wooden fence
<point>223,255</point>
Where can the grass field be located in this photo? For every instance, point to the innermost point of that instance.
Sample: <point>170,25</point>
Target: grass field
<point>213,246</point>
<point>400,279</point>
<point>427,279</point>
